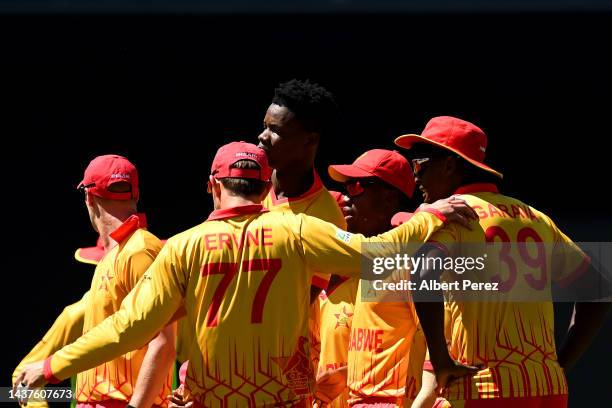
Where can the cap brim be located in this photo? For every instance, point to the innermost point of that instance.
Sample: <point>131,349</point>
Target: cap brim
<point>89,255</point>
<point>93,255</point>
<point>407,141</point>
<point>344,172</point>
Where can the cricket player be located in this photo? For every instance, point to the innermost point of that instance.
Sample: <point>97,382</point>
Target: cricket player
<point>69,324</point>
<point>379,184</point>
<point>513,341</point>
<point>141,376</point>
<point>301,113</point>
<point>244,277</point>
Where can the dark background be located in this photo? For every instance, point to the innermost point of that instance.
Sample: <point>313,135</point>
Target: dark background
<point>168,89</point>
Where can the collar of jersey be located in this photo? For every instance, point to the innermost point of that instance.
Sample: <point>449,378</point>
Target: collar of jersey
<point>477,188</point>
<point>236,211</point>
<point>127,228</point>
<point>317,185</point>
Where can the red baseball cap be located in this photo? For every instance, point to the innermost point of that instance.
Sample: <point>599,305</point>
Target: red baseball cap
<point>388,165</point>
<point>104,171</point>
<point>232,152</point>
<point>457,135</point>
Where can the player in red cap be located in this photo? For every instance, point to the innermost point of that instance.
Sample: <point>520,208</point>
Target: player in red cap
<point>68,326</point>
<point>514,341</point>
<point>243,277</point>
<point>141,377</point>
<point>380,184</point>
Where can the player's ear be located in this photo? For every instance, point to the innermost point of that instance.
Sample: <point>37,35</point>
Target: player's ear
<point>213,186</point>
<point>264,194</point>
<point>451,165</point>
<point>89,198</point>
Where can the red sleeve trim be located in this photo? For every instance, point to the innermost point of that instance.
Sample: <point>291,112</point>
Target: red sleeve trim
<point>427,366</point>
<point>435,212</point>
<point>565,282</point>
<point>319,282</point>
<point>49,377</point>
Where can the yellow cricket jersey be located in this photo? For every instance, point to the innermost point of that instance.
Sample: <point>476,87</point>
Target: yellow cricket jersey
<point>336,318</point>
<point>379,349</point>
<point>115,276</point>
<point>67,328</point>
<point>243,277</point>
<point>316,202</point>
<point>416,358</point>
<point>515,341</point>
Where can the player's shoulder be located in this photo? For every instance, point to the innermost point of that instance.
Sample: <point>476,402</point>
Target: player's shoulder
<point>141,241</point>
<point>497,204</point>
<point>194,233</point>
<point>325,207</point>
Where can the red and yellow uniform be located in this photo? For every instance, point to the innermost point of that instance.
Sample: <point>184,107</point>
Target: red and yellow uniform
<point>115,276</point>
<point>67,328</point>
<point>244,278</point>
<point>514,340</point>
<point>316,202</point>
<point>379,350</point>
<point>417,353</point>
<point>336,320</point>
<point>69,324</point>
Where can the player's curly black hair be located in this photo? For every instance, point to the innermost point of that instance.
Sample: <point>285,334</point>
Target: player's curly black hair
<point>313,105</point>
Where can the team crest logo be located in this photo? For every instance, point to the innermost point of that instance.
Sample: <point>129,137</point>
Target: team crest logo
<point>105,280</point>
<point>342,318</point>
<point>297,369</point>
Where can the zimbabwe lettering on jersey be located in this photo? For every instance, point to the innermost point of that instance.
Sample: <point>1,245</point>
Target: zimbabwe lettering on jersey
<point>379,350</point>
<point>366,340</point>
<point>514,340</point>
<point>248,307</point>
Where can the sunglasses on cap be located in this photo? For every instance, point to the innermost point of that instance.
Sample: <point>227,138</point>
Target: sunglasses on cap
<point>418,164</point>
<point>82,188</point>
<point>355,188</point>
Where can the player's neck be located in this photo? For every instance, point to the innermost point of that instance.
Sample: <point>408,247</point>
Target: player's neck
<point>294,181</point>
<point>229,201</point>
<point>107,222</point>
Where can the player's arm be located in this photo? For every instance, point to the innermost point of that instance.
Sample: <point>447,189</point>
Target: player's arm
<point>325,247</point>
<point>155,367</point>
<point>67,328</point>
<point>573,269</point>
<point>429,306</point>
<point>587,320</point>
<point>320,280</point>
<point>143,313</point>
<point>427,394</point>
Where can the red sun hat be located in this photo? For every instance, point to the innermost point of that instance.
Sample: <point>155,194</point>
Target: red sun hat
<point>388,165</point>
<point>459,136</point>
<point>104,171</point>
<point>229,154</point>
